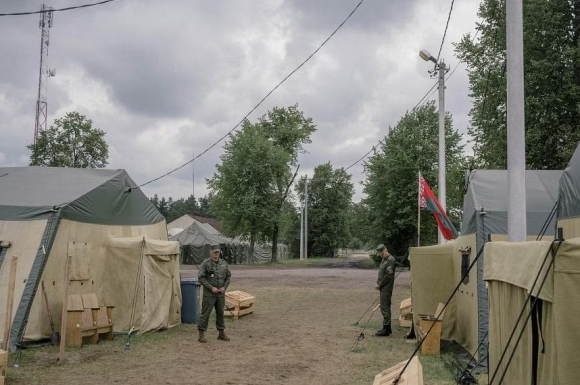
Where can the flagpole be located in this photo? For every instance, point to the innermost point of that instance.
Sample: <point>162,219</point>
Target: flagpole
<point>419,210</point>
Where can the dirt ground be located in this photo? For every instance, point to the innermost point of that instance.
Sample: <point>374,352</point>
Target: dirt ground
<point>302,332</point>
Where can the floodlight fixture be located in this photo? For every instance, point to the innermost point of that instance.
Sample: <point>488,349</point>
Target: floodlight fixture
<point>425,55</point>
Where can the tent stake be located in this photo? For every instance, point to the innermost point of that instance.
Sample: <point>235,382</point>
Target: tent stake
<point>64,309</point>
<point>9,301</point>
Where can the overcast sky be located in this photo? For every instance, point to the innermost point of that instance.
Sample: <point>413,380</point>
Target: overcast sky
<point>165,79</point>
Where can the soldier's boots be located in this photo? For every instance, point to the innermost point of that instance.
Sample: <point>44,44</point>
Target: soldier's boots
<point>385,331</point>
<point>201,337</point>
<point>222,336</point>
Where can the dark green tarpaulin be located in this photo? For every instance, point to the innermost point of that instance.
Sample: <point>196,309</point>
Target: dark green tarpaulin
<point>106,197</point>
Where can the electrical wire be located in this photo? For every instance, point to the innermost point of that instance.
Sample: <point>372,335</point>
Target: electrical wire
<point>421,101</point>
<point>261,101</point>
<point>425,97</point>
<point>445,32</point>
<point>56,10</point>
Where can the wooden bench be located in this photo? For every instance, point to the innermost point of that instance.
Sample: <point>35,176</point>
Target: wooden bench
<point>432,325</point>
<point>413,374</point>
<point>238,304</point>
<point>105,322</point>
<point>86,320</point>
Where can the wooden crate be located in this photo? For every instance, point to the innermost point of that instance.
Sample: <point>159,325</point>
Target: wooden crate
<point>406,321</point>
<point>239,303</point>
<point>432,325</point>
<point>406,313</point>
<point>413,374</point>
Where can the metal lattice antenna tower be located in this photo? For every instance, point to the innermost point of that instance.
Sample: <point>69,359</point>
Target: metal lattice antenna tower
<point>41,110</point>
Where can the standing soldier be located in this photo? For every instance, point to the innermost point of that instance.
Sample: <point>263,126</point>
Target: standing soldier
<point>214,276</point>
<point>385,285</point>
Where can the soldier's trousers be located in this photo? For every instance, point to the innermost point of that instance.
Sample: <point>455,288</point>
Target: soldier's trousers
<point>209,303</point>
<point>386,293</point>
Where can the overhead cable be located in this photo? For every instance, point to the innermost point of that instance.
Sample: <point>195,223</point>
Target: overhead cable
<point>445,32</point>
<point>261,101</point>
<point>57,9</point>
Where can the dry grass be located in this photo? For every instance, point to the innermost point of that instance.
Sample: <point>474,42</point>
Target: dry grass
<point>301,333</point>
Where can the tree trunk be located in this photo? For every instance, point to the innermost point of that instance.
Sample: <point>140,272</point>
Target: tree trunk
<point>275,243</point>
<point>252,244</point>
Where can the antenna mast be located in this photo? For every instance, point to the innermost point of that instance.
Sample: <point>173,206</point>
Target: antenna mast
<point>41,110</point>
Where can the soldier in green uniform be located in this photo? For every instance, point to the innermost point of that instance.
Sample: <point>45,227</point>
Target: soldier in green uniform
<point>385,285</point>
<point>214,276</point>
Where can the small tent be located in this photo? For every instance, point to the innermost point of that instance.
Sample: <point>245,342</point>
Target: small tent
<point>196,239</point>
<point>107,226</point>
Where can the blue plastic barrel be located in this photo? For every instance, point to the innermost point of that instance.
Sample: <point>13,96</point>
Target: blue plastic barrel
<point>190,300</point>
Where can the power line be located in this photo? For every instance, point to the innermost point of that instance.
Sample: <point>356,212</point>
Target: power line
<point>445,32</point>
<point>420,102</point>
<point>56,10</point>
<point>261,101</point>
<point>414,108</point>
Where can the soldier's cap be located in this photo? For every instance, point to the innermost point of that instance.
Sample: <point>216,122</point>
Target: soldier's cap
<point>214,248</point>
<point>381,247</point>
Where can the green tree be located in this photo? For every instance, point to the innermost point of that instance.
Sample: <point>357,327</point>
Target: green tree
<point>392,179</point>
<point>552,82</point>
<point>329,198</point>
<point>183,206</point>
<point>205,205</point>
<point>360,226</point>
<point>70,142</point>
<point>253,180</point>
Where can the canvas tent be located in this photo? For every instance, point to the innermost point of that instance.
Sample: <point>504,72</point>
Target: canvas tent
<point>547,350</point>
<point>196,239</point>
<point>484,216</point>
<point>106,225</point>
<point>568,198</point>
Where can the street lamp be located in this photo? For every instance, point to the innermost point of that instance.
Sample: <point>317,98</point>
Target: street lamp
<point>425,55</point>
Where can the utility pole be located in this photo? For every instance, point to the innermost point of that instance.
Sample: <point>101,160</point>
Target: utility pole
<point>516,137</point>
<point>41,107</point>
<point>302,230</point>
<point>442,69</point>
<point>442,182</point>
<point>306,218</point>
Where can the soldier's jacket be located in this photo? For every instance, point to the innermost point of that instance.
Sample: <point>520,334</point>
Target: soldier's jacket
<point>387,272</point>
<point>214,274</point>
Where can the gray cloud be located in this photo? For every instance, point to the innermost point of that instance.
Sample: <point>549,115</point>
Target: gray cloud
<point>166,79</point>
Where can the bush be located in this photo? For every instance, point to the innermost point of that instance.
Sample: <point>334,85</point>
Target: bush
<point>376,257</point>
<point>356,244</point>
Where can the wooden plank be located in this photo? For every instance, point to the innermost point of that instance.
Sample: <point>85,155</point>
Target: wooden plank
<point>75,303</point>
<point>405,323</point>
<point>239,298</point>
<point>63,322</point>
<point>440,312</point>
<point>90,301</point>
<point>2,380</point>
<point>246,311</point>
<point>9,302</point>
<point>432,341</point>
<point>406,307</point>
<point>73,334</point>
<point>3,358</point>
